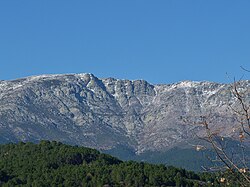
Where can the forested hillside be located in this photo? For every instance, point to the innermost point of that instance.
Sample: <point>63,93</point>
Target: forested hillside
<point>56,164</point>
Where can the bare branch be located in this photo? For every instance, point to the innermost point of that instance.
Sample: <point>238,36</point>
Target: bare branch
<point>244,69</point>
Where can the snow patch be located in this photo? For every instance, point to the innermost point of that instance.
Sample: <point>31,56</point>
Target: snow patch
<point>187,84</point>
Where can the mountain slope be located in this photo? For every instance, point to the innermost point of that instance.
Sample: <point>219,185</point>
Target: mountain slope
<point>56,164</point>
<point>109,113</point>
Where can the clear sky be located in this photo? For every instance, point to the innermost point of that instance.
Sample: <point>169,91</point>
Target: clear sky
<point>161,41</point>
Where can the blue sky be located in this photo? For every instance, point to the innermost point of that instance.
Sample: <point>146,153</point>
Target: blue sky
<point>161,41</point>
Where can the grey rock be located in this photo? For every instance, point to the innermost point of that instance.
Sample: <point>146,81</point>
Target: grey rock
<point>107,113</point>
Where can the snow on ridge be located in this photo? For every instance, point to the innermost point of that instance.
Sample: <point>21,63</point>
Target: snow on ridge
<point>205,86</point>
<point>181,84</point>
<point>37,77</point>
<point>83,75</point>
<point>187,84</point>
<point>44,76</point>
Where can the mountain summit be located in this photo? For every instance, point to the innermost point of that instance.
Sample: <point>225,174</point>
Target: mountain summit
<point>109,113</point>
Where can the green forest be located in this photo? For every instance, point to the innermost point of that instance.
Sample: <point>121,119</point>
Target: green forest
<point>51,163</point>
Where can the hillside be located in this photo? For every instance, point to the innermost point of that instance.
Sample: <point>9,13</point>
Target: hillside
<point>57,164</point>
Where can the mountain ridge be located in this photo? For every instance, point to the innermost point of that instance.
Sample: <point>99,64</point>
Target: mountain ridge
<point>105,113</point>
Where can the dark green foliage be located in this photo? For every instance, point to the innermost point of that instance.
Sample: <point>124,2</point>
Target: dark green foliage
<point>55,164</point>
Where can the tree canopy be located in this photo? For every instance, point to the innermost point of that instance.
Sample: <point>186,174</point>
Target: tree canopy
<point>56,164</point>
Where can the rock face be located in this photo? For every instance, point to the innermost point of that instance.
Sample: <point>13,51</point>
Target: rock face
<point>107,113</point>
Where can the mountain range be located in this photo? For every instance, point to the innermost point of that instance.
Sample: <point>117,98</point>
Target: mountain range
<point>111,114</point>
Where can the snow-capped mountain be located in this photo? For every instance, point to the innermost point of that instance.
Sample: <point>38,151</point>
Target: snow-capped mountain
<point>107,113</point>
